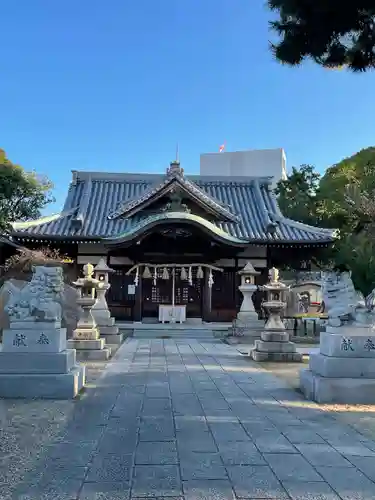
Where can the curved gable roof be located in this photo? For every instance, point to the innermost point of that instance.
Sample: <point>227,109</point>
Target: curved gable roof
<point>130,207</point>
<point>176,217</point>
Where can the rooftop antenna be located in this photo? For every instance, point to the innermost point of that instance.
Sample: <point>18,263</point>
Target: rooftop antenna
<point>174,167</point>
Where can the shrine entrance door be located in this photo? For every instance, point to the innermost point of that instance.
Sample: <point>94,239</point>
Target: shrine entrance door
<point>161,293</point>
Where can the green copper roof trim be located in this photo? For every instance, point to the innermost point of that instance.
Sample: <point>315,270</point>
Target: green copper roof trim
<point>42,220</point>
<point>31,223</point>
<point>177,217</point>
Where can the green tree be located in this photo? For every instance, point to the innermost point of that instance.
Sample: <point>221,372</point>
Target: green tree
<point>356,252</point>
<point>345,191</point>
<point>22,194</point>
<point>343,198</point>
<point>297,195</point>
<point>333,33</point>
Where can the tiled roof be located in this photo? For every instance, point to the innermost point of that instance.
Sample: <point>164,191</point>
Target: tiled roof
<point>129,207</point>
<point>93,197</point>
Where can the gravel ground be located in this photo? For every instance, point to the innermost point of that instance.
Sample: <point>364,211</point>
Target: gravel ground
<point>29,427</point>
<point>360,417</point>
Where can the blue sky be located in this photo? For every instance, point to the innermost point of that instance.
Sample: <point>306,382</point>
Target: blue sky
<point>114,85</point>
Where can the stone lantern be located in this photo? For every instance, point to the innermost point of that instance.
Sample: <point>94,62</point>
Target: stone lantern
<point>101,273</point>
<point>86,287</point>
<point>274,344</point>
<point>275,302</point>
<point>100,311</point>
<point>247,288</point>
<point>247,323</point>
<point>86,339</point>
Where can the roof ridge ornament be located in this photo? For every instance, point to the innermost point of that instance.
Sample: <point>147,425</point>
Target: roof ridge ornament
<point>175,169</point>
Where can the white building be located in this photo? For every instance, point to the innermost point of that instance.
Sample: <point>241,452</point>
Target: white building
<point>254,163</point>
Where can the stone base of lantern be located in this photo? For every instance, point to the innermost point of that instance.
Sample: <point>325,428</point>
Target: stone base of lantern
<point>111,336</point>
<point>276,357</point>
<point>274,323</point>
<point>249,325</point>
<point>88,345</point>
<point>106,326</point>
<point>90,350</point>
<point>275,346</point>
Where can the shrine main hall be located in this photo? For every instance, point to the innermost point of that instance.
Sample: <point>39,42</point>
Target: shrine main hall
<point>174,240</point>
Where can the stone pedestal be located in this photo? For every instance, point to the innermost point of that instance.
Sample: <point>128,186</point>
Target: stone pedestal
<point>249,328</point>
<point>104,322</point>
<point>247,306</point>
<point>275,346</point>
<point>344,369</point>
<point>247,318</point>
<point>274,321</point>
<point>89,346</point>
<point>34,362</point>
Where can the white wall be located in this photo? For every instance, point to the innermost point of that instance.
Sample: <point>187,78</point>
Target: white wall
<point>255,163</point>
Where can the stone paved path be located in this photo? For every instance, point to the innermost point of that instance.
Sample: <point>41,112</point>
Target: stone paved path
<point>189,420</point>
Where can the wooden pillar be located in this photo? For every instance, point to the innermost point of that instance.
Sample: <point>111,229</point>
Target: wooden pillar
<point>137,316</point>
<point>207,297</point>
<point>268,257</point>
<point>236,283</point>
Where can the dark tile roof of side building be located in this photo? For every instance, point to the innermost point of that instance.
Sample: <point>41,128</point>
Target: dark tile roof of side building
<point>94,197</point>
<point>5,240</point>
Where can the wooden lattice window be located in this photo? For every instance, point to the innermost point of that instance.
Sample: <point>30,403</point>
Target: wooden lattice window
<point>186,293</point>
<point>224,290</point>
<point>155,295</point>
<point>161,292</point>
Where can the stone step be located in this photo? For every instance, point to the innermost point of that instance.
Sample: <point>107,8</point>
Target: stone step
<point>274,336</point>
<point>86,344</point>
<point>116,339</point>
<point>282,347</point>
<point>108,330</point>
<point>94,354</point>
<point>173,334</point>
<point>187,325</point>
<point>285,357</point>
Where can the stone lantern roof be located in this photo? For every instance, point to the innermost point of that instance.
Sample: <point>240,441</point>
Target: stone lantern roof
<point>249,269</point>
<point>102,267</point>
